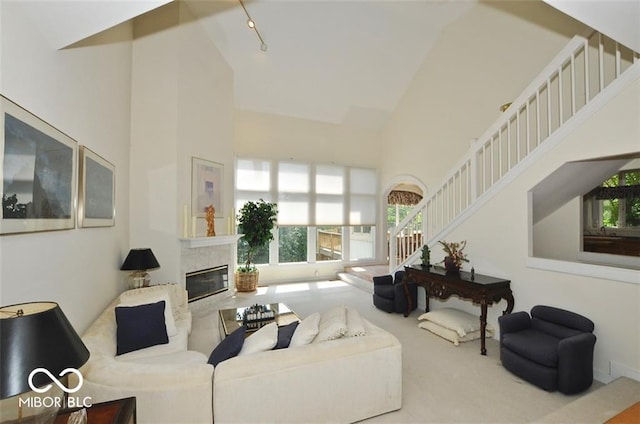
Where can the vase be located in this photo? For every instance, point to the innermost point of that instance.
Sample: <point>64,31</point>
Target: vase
<point>451,266</point>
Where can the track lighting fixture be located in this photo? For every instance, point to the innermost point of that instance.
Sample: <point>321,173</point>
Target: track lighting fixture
<point>252,25</point>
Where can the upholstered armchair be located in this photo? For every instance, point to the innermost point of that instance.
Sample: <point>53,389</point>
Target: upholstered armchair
<point>552,348</point>
<point>389,294</point>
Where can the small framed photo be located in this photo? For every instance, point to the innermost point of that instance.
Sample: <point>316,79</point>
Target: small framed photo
<point>206,187</point>
<point>96,188</point>
<point>38,171</point>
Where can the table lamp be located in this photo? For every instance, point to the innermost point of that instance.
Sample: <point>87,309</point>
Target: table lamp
<point>33,336</point>
<point>139,261</point>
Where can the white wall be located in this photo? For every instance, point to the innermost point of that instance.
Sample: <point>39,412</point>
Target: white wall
<point>182,106</point>
<point>482,60</point>
<point>84,92</point>
<point>267,136</point>
<point>498,244</point>
<point>279,137</point>
<point>558,235</point>
<point>455,97</point>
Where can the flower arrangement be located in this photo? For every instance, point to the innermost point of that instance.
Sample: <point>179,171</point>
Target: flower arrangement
<point>454,251</point>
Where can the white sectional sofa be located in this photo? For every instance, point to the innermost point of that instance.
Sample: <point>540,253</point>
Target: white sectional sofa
<point>342,380</point>
<point>171,384</point>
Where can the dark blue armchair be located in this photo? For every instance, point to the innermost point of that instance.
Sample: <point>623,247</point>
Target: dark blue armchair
<point>552,348</point>
<point>389,294</point>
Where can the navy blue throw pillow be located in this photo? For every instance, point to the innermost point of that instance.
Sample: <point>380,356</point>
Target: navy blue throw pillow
<point>140,326</point>
<point>285,333</point>
<point>229,347</point>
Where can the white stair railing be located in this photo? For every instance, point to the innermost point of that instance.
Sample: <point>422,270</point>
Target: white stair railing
<point>571,81</point>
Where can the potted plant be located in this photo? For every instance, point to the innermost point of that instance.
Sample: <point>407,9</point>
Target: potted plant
<point>426,256</point>
<point>255,222</point>
<point>455,255</point>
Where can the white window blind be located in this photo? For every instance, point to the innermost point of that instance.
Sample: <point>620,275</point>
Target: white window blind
<point>330,188</point>
<point>310,195</point>
<point>253,181</point>
<point>362,201</point>
<point>253,175</point>
<point>293,193</point>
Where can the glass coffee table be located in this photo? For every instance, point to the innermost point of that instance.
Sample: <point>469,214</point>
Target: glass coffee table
<point>231,319</point>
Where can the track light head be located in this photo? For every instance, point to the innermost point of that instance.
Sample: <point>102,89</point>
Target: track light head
<point>252,25</point>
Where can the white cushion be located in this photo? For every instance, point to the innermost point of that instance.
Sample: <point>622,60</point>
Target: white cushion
<point>262,340</point>
<point>453,319</point>
<point>355,325</point>
<point>333,324</point>
<point>451,335</point>
<point>306,331</point>
<point>143,297</point>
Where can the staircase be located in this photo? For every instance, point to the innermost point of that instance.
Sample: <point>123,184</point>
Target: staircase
<point>585,75</point>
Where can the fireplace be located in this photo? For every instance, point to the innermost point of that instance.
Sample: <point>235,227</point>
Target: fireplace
<point>207,282</point>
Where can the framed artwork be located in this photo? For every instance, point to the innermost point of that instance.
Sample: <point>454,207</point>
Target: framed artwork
<point>39,171</point>
<point>206,187</point>
<point>96,190</point>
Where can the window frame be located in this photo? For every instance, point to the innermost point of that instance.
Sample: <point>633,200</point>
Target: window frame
<point>273,169</point>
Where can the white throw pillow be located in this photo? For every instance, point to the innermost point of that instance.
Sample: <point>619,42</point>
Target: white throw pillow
<point>459,321</point>
<point>333,324</point>
<point>262,340</point>
<point>306,331</point>
<point>143,297</point>
<point>355,325</point>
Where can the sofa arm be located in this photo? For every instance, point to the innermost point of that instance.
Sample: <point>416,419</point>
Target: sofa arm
<point>110,372</point>
<point>514,322</point>
<point>575,363</point>
<point>165,393</point>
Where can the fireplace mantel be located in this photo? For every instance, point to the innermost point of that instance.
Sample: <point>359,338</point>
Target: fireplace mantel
<point>195,242</point>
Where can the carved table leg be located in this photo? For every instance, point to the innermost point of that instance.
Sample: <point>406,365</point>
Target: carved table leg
<point>483,326</point>
<point>407,296</point>
<point>426,300</point>
<point>509,298</point>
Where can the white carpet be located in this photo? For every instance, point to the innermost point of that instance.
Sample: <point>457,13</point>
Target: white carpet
<point>442,383</point>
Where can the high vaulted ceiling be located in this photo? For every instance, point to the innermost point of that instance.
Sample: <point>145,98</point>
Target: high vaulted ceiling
<point>338,61</point>
<point>333,61</point>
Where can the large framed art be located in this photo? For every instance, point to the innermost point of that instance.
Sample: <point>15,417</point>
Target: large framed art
<point>39,168</point>
<point>206,186</point>
<point>96,190</point>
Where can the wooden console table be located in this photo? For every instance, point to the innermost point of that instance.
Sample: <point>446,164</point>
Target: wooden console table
<point>439,284</point>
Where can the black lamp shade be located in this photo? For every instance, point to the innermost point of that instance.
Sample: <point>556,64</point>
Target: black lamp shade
<point>140,259</point>
<point>36,335</point>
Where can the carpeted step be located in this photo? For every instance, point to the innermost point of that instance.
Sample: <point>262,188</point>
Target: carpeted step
<point>599,405</point>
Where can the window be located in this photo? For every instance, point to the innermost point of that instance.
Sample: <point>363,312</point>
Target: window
<point>319,206</point>
<point>361,242</point>
<point>616,203</point>
<point>612,216</point>
<point>292,244</point>
<point>329,243</point>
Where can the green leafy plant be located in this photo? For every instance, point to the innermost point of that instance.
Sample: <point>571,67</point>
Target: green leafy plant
<point>256,221</point>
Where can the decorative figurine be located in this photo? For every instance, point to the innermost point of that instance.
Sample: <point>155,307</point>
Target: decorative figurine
<point>211,226</point>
